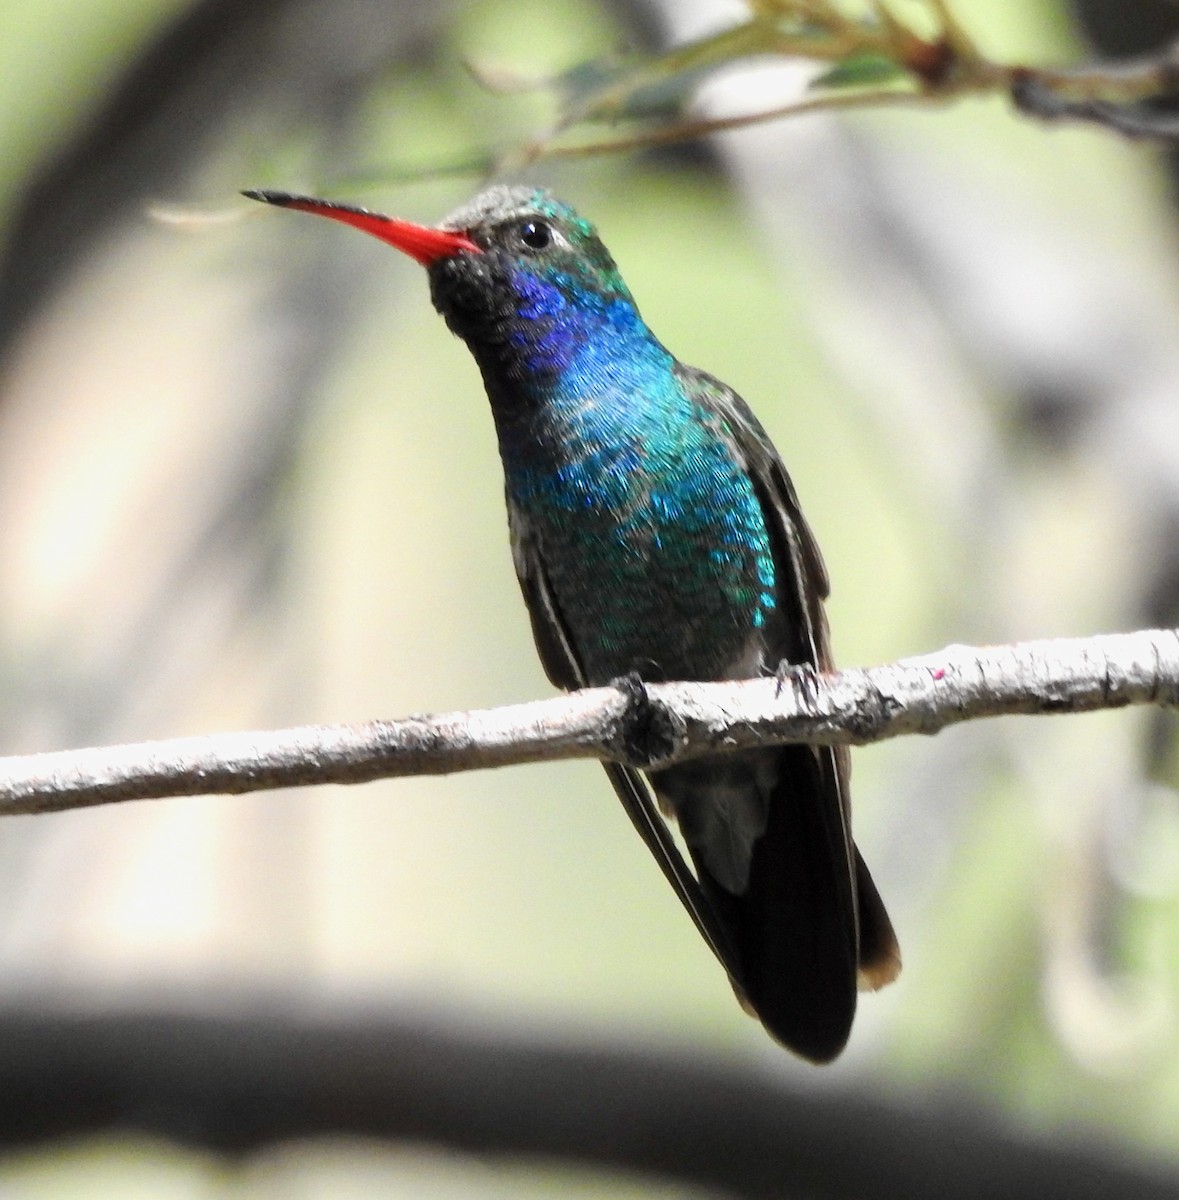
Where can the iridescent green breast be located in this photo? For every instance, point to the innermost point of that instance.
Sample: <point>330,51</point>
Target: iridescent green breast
<point>651,535</point>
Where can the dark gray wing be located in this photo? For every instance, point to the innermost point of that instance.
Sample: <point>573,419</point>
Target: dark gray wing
<point>734,422</point>
<point>803,638</point>
<point>559,659</point>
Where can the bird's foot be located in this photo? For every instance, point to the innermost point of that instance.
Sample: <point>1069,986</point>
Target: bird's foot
<point>802,677</point>
<point>647,733</point>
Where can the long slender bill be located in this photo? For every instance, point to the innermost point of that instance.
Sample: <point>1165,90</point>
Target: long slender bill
<point>420,242</point>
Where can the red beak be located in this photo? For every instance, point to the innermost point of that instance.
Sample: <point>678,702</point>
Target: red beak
<point>418,241</point>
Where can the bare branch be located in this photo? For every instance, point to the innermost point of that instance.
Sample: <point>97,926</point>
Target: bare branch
<point>651,727</point>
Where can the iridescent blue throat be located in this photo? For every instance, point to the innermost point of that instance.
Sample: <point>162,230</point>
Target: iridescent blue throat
<point>660,558</point>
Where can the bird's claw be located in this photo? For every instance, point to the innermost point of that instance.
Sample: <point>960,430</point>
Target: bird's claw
<point>648,734</point>
<point>802,677</point>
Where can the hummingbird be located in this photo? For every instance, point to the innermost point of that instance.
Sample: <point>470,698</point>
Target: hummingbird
<point>657,536</point>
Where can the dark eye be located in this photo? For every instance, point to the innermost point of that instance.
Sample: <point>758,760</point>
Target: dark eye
<point>536,235</point>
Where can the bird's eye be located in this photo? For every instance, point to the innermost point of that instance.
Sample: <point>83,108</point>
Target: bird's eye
<point>536,235</point>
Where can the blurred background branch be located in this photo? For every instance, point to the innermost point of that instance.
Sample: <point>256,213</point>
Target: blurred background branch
<point>247,1073</point>
<point>870,59</point>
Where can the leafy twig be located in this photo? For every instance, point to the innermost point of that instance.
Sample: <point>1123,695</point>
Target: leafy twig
<point>869,59</point>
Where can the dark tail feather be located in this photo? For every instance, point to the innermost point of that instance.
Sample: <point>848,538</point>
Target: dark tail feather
<point>795,925</point>
<point>791,942</point>
<point>880,955</point>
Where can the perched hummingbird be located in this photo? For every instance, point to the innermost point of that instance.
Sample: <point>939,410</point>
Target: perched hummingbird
<point>655,531</point>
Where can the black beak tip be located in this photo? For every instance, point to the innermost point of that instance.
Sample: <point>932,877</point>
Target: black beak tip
<point>268,197</point>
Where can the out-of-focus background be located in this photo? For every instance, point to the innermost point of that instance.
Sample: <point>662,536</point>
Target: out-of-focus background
<point>248,479</point>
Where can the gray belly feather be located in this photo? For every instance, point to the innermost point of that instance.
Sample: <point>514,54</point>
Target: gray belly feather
<point>721,806</point>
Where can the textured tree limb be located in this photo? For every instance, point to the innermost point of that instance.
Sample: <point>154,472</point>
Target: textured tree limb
<point>641,726</point>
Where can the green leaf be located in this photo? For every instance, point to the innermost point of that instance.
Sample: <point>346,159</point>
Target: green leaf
<point>861,70</point>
